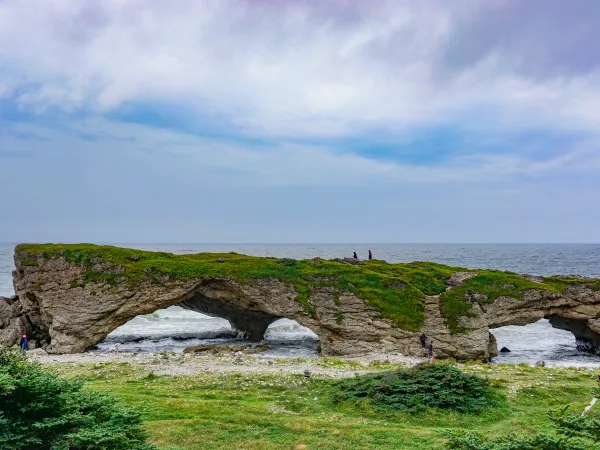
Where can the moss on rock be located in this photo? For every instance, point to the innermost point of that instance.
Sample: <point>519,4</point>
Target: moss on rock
<point>488,285</point>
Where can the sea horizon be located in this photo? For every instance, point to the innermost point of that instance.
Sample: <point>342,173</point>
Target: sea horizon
<point>291,243</point>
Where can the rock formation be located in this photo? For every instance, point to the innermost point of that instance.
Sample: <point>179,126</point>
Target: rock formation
<point>12,321</point>
<point>68,298</point>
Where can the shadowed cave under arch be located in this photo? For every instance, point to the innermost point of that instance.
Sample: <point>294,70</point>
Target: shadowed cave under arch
<point>585,339</point>
<point>540,341</point>
<point>210,298</point>
<point>253,324</point>
<point>176,329</point>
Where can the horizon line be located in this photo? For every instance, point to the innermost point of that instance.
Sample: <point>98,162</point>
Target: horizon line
<point>299,243</point>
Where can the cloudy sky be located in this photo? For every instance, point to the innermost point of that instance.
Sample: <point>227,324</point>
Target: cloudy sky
<point>300,121</point>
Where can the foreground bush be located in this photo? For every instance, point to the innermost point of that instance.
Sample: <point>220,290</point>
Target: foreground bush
<point>39,410</point>
<point>570,432</point>
<point>427,385</point>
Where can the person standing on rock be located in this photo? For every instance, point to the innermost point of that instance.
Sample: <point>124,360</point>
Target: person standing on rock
<point>370,255</point>
<point>355,256</point>
<point>423,340</point>
<point>24,345</point>
<point>431,358</point>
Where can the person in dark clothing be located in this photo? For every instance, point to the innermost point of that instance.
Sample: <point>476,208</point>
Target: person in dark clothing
<point>431,357</point>
<point>423,340</point>
<point>370,255</point>
<point>355,256</point>
<point>24,345</point>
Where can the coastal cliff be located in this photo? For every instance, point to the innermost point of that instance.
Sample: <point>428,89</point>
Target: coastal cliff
<point>69,297</point>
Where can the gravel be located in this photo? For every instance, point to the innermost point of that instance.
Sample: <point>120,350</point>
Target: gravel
<point>187,365</point>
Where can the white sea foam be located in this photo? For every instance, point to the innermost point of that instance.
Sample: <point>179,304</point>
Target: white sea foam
<point>174,329</point>
<point>540,341</point>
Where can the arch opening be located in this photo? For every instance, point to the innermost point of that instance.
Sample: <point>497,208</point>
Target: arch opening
<point>586,339</point>
<point>178,328</point>
<point>556,340</point>
<point>170,329</point>
<point>288,338</point>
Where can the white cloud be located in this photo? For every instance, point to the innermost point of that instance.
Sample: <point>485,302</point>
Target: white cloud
<point>115,182</point>
<point>297,79</point>
<point>291,70</point>
<point>214,162</point>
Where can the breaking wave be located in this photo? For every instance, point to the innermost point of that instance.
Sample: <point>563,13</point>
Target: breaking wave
<point>174,329</point>
<point>182,336</point>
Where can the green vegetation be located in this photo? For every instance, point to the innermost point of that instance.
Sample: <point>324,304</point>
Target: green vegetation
<point>395,290</point>
<point>569,430</point>
<point>282,411</point>
<point>39,410</point>
<point>440,386</point>
<point>491,284</point>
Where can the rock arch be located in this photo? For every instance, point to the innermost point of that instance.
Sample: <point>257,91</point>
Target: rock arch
<point>64,315</point>
<point>576,310</point>
<point>221,298</point>
<point>68,305</point>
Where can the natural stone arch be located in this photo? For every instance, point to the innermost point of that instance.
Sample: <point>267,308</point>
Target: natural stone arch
<point>69,297</point>
<point>576,310</point>
<point>67,316</point>
<point>585,337</point>
<point>222,298</point>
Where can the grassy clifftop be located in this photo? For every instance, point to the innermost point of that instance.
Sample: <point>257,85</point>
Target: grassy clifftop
<point>395,290</point>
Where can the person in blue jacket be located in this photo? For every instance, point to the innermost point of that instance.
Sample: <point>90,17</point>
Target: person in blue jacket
<point>24,345</point>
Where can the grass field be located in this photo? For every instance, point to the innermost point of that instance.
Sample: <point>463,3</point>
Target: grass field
<point>288,411</point>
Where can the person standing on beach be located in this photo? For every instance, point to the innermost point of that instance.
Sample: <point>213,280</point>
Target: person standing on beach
<point>370,255</point>
<point>355,256</point>
<point>24,345</point>
<point>431,358</point>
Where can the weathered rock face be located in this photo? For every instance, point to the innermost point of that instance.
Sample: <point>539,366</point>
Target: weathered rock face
<point>68,318</point>
<point>13,323</point>
<point>576,310</point>
<point>63,314</point>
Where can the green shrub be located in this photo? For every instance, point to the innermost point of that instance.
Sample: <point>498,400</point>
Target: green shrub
<point>40,410</point>
<point>570,432</point>
<point>288,262</point>
<point>424,386</point>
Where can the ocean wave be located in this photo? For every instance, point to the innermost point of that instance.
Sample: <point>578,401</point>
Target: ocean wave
<point>177,313</point>
<point>181,336</point>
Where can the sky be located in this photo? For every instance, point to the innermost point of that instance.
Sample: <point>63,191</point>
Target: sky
<point>300,121</point>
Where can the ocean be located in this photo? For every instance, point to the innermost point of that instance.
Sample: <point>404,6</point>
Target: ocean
<point>174,329</point>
